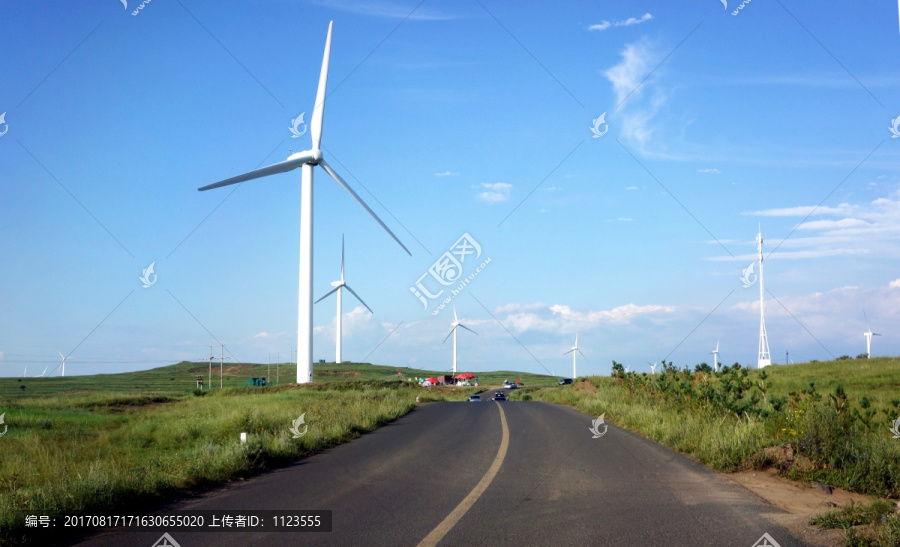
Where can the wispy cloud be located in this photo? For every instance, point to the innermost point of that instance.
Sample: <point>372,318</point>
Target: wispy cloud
<point>562,318</point>
<point>895,284</point>
<point>495,192</point>
<point>603,25</point>
<point>631,82</point>
<point>390,10</point>
<point>846,229</point>
<point>710,171</point>
<point>261,335</point>
<point>446,174</point>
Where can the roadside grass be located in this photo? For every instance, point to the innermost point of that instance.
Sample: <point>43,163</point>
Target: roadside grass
<point>828,422</point>
<point>84,453</point>
<point>875,524</point>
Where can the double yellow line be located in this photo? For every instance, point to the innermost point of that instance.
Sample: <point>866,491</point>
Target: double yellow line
<point>448,523</point>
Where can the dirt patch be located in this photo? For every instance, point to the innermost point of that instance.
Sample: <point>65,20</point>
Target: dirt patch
<point>238,368</point>
<point>587,387</point>
<point>344,373</point>
<point>801,501</point>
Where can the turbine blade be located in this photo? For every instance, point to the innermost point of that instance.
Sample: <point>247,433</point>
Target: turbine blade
<point>289,164</point>
<point>358,298</point>
<point>448,335</point>
<point>455,318</point>
<point>582,354</point>
<point>468,329</point>
<point>342,258</point>
<point>329,293</point>
<point>570,351</point>
<point>359,200</point>
<point>315,123</point>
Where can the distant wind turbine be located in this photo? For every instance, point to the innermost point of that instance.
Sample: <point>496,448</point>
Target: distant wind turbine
<point>338,285</point>
<point>575,351</point>
<point>306,160</point>
<point>653,367</point>
<point>715,354</point>
<point>455,324</point>
<point>869,334</point>
<point>61,365</point>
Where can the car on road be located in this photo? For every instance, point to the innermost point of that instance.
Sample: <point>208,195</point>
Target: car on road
<point>474,398</point>
<point>565,381</point>
<point>510,385</point>
<point>499,397</point>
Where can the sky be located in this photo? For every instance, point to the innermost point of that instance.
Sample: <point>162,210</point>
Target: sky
<point>605,165</point>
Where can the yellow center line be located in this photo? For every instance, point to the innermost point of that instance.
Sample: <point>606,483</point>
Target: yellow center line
<point>448,523</point>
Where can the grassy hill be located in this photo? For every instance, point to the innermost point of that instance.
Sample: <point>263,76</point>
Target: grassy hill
<point>181,378</point>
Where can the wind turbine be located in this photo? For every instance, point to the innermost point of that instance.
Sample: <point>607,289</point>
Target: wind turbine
<point>455,324</point>
<point>575,351</point>
<point>715,355</point>
<point>869,334</point>
<point>306,161</point>
<point>653,367</point>
<point>63,363</point>
<point>338,285</point>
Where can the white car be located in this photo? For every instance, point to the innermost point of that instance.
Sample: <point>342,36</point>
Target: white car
<point>474,398</point>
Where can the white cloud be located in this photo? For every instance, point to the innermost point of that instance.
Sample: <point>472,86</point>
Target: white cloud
<point>562,318</point>
<point>632,188</point>
<point>624,219</point>
<point>631,80</point>
<point>261,335</point>
<point>895,284</point>
<point>446,174</point>
<point>710,171</point>
<point>495,192</point>
<point>603,25</point>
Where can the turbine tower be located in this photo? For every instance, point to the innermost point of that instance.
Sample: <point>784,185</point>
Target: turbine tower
<point>62,364</point>
<point>869,334</point>
<point>338,285</point>
<point>715,355</point>
<point>306,161</point>
<point>574,351</point>
<point>764,358</point>
<point>455,324</point>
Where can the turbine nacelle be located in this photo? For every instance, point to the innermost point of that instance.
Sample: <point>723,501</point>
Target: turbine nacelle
<point>312,157</point>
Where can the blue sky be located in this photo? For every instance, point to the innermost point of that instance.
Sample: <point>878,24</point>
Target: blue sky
<point>450,118</point>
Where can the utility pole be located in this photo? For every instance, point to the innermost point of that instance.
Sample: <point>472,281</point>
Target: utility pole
<point>268,367</point>
<point>277,360</point>
<point>209,383</point>
<point>222,366</point>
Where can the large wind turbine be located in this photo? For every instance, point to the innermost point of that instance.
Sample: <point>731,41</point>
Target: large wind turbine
<point>715,355</point>
<point>455,324</point>
<point>869,334</point>
<point>338,285</point>
<point>306,160</point>
<point>62,364</point>
<point>574,351</point>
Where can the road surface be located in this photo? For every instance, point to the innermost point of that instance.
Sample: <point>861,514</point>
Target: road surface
<point>510,473</point>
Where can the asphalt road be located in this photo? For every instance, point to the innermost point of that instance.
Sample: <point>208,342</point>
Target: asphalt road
<point>452,474</point>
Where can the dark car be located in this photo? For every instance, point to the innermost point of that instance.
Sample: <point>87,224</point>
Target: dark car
<point>499,397</point>
<point>565,381</point>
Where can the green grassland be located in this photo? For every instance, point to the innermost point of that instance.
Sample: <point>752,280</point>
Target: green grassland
<point>824,421</point>
<point>84,444</point>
